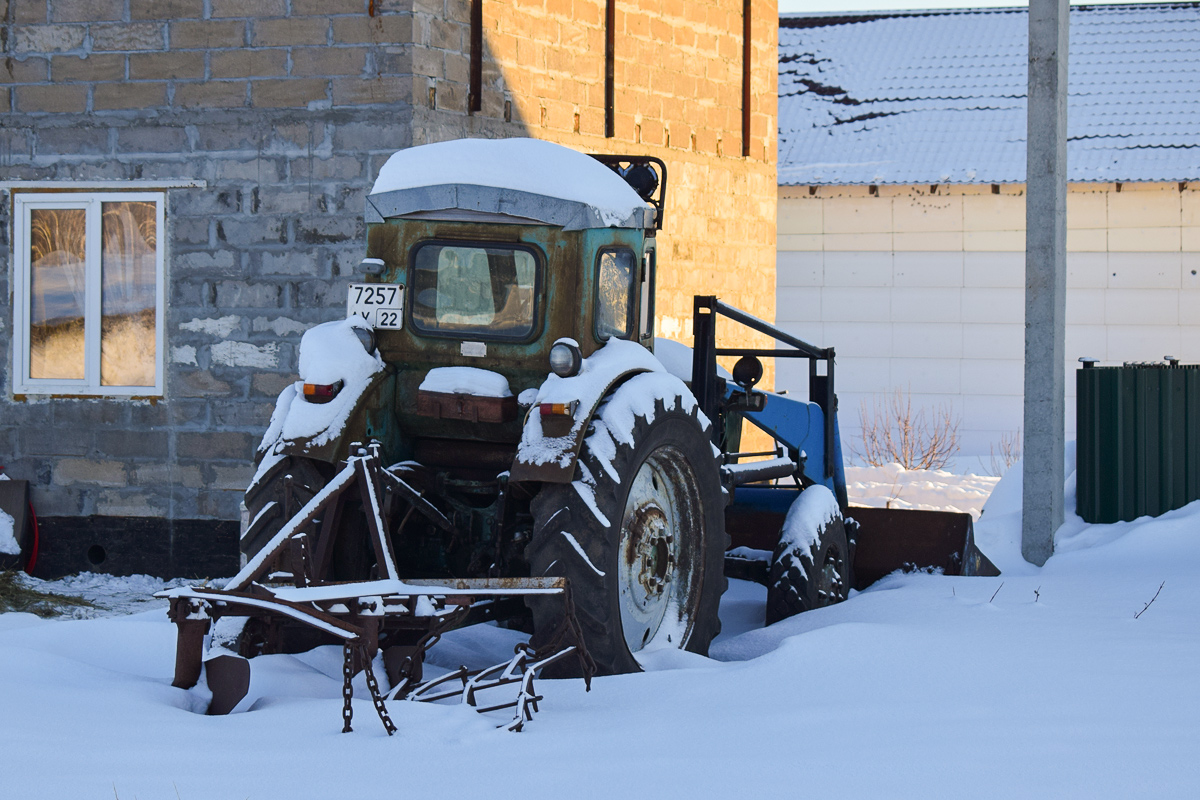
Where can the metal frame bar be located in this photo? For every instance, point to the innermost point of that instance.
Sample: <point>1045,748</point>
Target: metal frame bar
<point>704,363</point>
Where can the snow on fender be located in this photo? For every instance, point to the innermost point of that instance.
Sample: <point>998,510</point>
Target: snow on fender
<point>329,353</point>
<point>539,457</point>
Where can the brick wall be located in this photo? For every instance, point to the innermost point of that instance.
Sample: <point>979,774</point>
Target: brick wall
<point>280,113</point>
<point>925,292</point>
<point>677,80</point>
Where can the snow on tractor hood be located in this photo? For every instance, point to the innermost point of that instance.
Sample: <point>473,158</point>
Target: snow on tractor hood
<point>329,353</point>
<point>527,180</point>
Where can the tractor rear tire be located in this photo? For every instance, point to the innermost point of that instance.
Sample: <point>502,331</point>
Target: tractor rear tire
<point>804,577</point>
<point>640,536</point>
<point>289,483</point>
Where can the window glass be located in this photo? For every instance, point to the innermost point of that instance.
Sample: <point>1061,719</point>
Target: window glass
<point>127,306</point>
<point>57,289</point>
<point>89,268</point>
<point>614,293</point>
<point>474,289</point>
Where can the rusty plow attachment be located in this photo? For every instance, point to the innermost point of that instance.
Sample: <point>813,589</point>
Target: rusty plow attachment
<point>219,630</point>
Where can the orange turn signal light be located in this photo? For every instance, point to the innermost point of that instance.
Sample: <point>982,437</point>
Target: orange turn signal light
<point>558,409</point>
<point>322,392</point>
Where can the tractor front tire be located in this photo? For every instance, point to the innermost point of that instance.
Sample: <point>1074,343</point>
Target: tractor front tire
<point>640,535</point>
<point>810,568</point>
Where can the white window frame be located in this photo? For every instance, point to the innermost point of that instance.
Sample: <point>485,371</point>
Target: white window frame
<point>89,386</point>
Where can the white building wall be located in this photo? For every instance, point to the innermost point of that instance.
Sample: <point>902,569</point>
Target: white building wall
<point>924,291</point>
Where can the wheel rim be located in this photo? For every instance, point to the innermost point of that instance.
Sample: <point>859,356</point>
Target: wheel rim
<point>654,561</point>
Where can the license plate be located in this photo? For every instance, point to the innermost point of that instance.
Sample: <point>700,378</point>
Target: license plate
<point>381,304</point>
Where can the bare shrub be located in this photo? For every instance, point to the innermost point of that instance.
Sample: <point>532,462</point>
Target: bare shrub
<point>893,433</point>
<point>1005,454</point>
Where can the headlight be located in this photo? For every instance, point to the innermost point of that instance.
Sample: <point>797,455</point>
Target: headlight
<point>367,337</point>
<point>565,359</point>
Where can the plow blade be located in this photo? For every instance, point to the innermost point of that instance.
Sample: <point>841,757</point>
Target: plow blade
<point>888,539</point>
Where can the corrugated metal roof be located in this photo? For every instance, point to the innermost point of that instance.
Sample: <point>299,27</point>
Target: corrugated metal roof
<point>939,96</point>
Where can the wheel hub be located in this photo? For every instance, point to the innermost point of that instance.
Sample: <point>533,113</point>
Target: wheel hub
<point>654,574</point>
<point>651,539</point>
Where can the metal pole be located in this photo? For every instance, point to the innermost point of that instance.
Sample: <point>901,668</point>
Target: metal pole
<point>1045,279</point>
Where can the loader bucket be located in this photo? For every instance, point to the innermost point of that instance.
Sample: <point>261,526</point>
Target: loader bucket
<point>888,539</point>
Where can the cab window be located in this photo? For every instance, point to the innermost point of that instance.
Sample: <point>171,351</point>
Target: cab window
<point>615,276</point>
<point>474,289</point>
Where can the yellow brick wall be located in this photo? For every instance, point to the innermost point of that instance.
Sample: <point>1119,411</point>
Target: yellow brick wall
<point>678,74</point>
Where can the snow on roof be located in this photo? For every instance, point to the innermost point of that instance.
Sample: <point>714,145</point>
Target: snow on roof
<point>525,179</point>
<point>939,96</point>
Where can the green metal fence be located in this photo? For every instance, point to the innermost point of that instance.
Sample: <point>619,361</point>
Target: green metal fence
<point>1138,439</point>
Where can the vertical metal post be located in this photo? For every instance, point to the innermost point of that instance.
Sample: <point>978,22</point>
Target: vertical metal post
<point>704,359</point>
<point>475,74</point>
<point>1045,279</point>
<point>610,54</point>
<point>830,417</point>
<point>747,51</point>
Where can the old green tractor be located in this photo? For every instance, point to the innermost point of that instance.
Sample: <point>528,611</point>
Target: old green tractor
<point>493,433</point>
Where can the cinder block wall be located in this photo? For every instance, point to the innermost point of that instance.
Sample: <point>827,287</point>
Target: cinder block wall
<point>925,291</point>
<point>281,110</point>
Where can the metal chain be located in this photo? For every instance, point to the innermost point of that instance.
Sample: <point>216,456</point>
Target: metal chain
<point>376,696</point>
<point>347,687</point>
<point>569,632</point>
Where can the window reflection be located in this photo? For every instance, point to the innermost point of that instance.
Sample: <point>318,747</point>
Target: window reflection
<point>127,269</point>
<point>480,289</point>
<point>57,288</point>
<point>614,293</point>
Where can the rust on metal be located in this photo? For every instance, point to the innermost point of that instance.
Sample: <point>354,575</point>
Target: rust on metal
<point>906,539</point>
<point>466,407</point>
<point>361,615</point>
<point>229,680</point>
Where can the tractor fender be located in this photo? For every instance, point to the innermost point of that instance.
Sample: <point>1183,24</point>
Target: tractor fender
<point>551,458</point>
<point>330,354</point>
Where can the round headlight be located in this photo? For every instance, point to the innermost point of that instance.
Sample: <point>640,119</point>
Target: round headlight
<point>565,359</point>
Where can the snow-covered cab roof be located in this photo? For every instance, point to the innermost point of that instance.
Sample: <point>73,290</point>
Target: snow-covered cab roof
<point>505,180</point>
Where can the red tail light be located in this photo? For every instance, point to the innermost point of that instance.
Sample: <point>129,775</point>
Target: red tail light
<point>558,409</point>
<point>322,392</point>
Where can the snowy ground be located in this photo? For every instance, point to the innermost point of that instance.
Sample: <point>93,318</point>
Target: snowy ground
<point>1038,683</point>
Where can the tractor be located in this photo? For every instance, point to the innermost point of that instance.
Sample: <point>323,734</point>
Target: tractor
<point>493,433</point>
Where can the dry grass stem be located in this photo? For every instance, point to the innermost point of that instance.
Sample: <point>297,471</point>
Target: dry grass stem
<point>16,595</point>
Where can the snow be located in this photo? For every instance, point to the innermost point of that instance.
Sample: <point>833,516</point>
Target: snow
<point>922,686</point>
<point>579,549</point>
<point>614,423</point>
<point>8,538</point>
<point>677,358</point>
<point>466,380</point>
<point>598,372</point>
<point>524,165</point>
<point>328,353</point>
<point>893,486</point>
<point>939,97</point>
<point>807,517</point>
